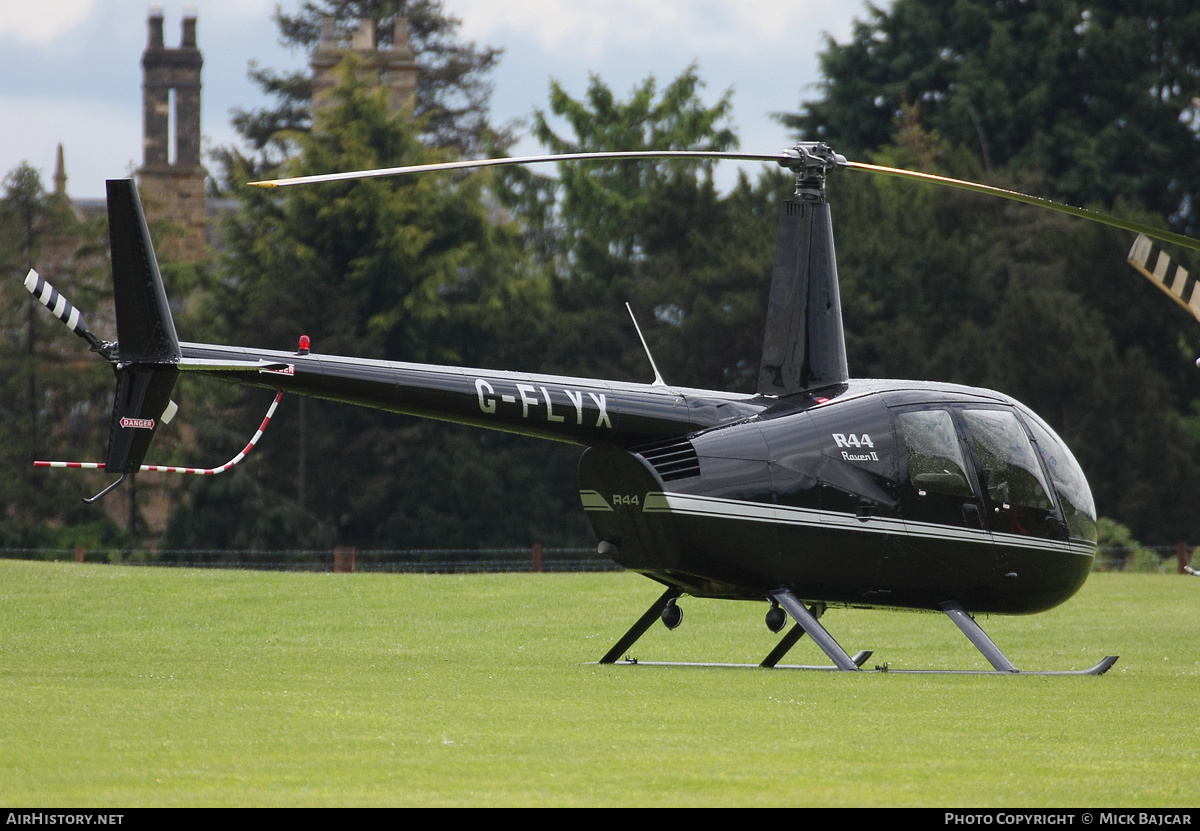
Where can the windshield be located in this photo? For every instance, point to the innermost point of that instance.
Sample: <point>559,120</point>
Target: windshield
<point>1010,470</point>
<point>1069,482</point>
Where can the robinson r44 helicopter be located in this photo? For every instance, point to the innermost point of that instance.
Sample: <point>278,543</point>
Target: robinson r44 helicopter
<point>815,491</point>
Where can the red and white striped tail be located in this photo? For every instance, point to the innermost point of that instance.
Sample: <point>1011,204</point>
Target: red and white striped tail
<point>198,471</point>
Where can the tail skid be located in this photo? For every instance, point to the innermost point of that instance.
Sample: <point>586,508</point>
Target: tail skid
<point>198,471</point>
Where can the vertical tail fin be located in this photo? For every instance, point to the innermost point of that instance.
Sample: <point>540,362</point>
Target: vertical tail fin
<point>145,330</point>
<point>147,347</point>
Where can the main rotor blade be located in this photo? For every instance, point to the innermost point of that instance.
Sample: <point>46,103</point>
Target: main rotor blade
<point>562,157</point>
<point>1016,196</point>
<point>793,158</point>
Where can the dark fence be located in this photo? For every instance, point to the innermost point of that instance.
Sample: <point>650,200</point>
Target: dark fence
<point>1164,559</point>
<point>427,561</point>
<point>1160,559</point>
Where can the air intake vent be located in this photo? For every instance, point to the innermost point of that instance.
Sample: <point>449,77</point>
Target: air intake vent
<point>673,459</point>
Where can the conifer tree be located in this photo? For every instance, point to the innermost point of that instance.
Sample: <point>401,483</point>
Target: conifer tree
<point>1099,97</point>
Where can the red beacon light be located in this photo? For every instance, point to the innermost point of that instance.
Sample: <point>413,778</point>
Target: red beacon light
<point>303,350</point>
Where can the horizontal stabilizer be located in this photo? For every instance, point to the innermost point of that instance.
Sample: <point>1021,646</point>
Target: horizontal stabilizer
<point>231,364</point>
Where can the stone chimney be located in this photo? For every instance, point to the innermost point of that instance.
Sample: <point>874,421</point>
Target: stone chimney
<point>394,67</point>
<point>171,178</point>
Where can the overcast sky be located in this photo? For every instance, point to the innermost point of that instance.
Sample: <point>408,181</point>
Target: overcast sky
<point>70,70</point>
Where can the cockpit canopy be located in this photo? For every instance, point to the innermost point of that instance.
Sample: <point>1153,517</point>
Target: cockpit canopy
<point>1020,462</point>
<point>968,458</point>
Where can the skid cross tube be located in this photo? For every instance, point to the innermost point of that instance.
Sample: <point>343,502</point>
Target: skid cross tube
<point>814,630</point>
<point>792,637</point>
<point>978,637</point>
<point>643,623</point>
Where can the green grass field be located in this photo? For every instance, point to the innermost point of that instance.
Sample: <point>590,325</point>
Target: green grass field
<point>138,686</point>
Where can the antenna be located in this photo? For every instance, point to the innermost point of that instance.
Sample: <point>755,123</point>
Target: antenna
<point>658,379</point>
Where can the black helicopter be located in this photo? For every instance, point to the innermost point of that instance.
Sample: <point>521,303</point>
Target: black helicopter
<point>816,490</point>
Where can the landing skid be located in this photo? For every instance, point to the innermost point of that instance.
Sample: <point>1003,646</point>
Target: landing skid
<point>859,658</point>
<point>808,623</point>
<point>1098,669</point>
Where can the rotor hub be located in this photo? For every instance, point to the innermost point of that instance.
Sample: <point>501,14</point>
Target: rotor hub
<point>812,162</point>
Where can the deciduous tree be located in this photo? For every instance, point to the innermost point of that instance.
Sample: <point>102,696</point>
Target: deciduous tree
<point>657,234</point>
<point>1099,97</point>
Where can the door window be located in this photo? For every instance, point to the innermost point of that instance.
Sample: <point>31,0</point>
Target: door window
<point>935,457</point>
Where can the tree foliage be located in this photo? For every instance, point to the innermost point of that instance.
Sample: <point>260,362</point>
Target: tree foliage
<point>52,404</point>
<point>413,269</point>
<point>1099,97</point>
<point>427,269</point>
<point>452,83</point>
<point>655,234</point>
<point>952,286</point>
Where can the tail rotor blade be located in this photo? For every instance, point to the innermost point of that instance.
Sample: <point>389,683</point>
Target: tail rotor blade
<point>61,308</point>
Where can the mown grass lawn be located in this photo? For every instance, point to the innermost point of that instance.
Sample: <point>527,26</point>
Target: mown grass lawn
<point>126,686</point>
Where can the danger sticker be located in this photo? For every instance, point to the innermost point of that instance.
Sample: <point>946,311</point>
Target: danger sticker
<point>138,423</point>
